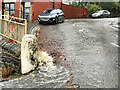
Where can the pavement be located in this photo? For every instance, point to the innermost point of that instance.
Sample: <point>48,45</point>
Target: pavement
<point>85,53</point>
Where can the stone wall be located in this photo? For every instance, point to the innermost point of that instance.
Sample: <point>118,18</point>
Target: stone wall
<point>9,57</point>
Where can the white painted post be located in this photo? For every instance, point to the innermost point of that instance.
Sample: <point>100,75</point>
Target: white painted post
<point>29,53</point>
<point>0,14</point>
<point>0,20</point>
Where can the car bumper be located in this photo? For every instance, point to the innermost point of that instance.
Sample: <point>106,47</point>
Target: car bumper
<point>51,20</point>
<point>94,16</point>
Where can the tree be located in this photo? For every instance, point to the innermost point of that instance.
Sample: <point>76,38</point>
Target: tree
<point>92,8</point>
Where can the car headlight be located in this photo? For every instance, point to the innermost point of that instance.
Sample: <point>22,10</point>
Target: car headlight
<point>52,19</point>
<point>39,18</point>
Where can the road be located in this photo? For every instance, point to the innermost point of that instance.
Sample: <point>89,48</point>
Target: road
<point>87,48</point>
<point>90,47</point>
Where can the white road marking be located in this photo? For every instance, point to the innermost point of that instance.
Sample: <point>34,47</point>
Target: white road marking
<point>115,44</point>
<point>80,30</point>
<point>74,24</point>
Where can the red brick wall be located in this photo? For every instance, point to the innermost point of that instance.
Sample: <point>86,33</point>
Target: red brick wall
<point>70,12</point>
<point>38,8</point>
<point>58,5</point>
<point>17,6</point>
<point>73,12</point>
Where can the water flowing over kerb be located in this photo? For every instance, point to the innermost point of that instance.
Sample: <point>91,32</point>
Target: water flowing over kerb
<point>35,59</point>
<point>55,77</point>
<point>32,56</point>
<point>51,76</point>
<point>46,75</point>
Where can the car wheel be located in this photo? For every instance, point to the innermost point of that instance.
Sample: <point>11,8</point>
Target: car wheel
<point>39,22</point>
<point>101,16</point>
<point>56,20</point>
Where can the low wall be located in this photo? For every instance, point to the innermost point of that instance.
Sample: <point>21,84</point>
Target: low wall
<point>9,57</point>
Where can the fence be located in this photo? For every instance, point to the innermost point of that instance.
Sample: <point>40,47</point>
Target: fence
<point>14,30</point>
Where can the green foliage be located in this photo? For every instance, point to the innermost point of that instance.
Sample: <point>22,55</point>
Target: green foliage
<point>17,73</point>
<point>92,8</point>
<point>117,6</point>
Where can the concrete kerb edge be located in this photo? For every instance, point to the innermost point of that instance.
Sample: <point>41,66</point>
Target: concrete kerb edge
<point>32,28</point>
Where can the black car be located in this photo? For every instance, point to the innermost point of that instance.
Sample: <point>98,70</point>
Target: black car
<point>51,16</point>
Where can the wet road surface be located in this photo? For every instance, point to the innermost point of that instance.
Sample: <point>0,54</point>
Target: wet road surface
<point>91,50</point>
<point>86,48</point>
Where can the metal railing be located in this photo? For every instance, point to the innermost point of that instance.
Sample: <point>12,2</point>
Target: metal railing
<point>14,30</point>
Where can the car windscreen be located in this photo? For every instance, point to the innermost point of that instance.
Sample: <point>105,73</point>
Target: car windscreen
<point>53,12</point>
<point>98,11</point>
<point>47,11</point>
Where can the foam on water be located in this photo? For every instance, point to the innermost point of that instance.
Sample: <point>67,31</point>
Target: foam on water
<point>51,73</point>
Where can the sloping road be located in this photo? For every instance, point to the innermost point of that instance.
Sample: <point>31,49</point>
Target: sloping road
<point>89,50</point>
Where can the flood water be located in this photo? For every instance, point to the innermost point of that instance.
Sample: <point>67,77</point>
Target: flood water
<point>48,75</point>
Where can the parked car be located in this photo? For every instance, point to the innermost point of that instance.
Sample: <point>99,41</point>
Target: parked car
<point>101,13</point>
<point>51,16</point>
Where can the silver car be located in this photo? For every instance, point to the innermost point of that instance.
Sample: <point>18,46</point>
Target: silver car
<point>101,13</point>
<point>51,16</point>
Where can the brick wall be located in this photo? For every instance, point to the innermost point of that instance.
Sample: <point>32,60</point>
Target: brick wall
<point>17,6</point>
<point>58,5</point>
<point>73,12</point>
<point>38,8</point>
<point>70,12</point>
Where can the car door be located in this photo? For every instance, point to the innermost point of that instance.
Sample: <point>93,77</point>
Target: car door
<point>60,16</point>
<point>105,13</point>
